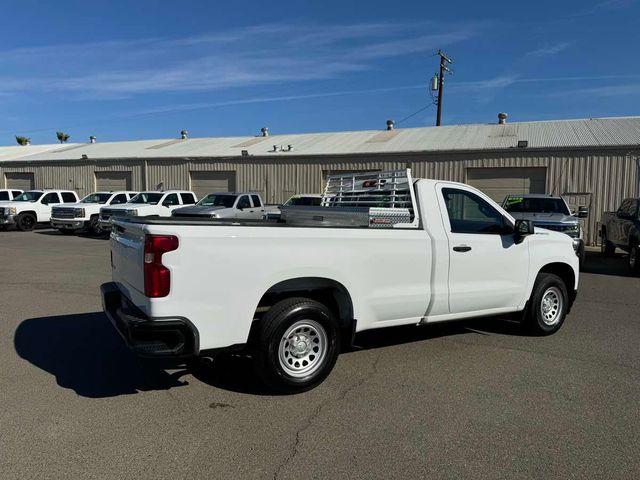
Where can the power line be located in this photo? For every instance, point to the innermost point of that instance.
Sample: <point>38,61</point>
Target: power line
<point>415,113</point>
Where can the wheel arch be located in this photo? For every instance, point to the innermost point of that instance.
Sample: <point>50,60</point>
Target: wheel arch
<point>566,273</point>
<point>327,291</point>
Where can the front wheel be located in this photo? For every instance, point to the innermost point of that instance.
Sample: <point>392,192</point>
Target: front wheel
<point>94,226</point>
<point>548,305</point>
<point>297,345</point>
<point>26,222</point>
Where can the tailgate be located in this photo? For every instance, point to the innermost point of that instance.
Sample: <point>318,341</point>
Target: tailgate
<point>127,256</point>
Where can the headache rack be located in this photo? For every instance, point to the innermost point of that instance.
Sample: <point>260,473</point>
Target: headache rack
<point>365,199</point>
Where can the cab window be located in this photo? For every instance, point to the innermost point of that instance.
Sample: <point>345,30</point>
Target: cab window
<point>118,199</point>
<point>68,197</point>
<point>50,198</point>
<point>188,198</point>
<point>468,213</point>
<point>4,196</point>
<point>172,199</point>
<point>256,201</point>
<point>243,202</point>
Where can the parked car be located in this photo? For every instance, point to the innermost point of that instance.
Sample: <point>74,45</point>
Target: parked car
<point>306,199</point>
<point>621,229</point>
<point>6,195</point>
<point>284,294</point>
<point>85,214</point>
<point>32,207</point>
<point>146,204</point>
<point>243,205</point>
<point>551,212</point>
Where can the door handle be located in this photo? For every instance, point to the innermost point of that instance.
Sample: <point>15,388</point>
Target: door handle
<point>461,248</point>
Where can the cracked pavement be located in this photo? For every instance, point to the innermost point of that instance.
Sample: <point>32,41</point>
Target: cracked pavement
<point>461,400</point>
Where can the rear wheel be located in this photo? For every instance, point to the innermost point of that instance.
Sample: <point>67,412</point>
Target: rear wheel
<point>548,305</point>
<point>634,261</point>
<point>26,222</point>
<point>606,247</point>
<point>297,345</point>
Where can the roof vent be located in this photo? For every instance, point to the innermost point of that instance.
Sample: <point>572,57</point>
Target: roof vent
<point>184,134</point>
<point>265,131</point>
<point>390,124</point>
<point>85,156</point>
<point>502,118</point>
<point>92,139</point>
<point>523,143</point>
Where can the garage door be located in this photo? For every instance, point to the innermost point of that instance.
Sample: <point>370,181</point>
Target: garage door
<point>203,183</point>
<point>113,181</point>
<point>500,182</point>
<point>20,181</point>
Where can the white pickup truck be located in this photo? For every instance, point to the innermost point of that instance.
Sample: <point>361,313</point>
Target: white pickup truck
<point>6,195</point>
<point>242,205</point>
<point>422,252</point>
<point>70,218</point>
<point>33,207</point>
<point>146,204</point>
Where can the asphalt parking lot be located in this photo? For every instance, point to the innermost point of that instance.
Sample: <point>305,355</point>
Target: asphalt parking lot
<point>472,400</point>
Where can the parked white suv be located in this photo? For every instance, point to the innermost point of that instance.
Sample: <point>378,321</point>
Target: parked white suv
<point>146,204</point>
<point>33,207</point>
<point>70,218</point>
<point>6,195</point>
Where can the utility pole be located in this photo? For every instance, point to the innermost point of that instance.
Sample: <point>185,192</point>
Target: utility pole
<point>444,61</point>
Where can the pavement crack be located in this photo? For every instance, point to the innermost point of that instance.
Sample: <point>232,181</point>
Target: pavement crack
<point>316,413</point>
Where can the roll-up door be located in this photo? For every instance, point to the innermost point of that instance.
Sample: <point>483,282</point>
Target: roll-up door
<point>203,183</point>
<point>19,180</point>
<point>113,181</point>
<point>497,183</point>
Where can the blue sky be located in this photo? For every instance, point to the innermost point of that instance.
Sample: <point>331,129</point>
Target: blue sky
<point>147,69</point>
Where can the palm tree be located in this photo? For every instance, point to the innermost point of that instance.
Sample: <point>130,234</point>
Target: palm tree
<point>23,140</point>
<point>62,137</point>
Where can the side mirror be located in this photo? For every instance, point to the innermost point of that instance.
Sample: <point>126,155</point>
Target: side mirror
<point>522,229</point>
<point>583,212</point>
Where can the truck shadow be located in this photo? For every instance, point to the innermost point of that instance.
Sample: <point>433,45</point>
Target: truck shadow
<point>86,355</point>
<point>597,263</point>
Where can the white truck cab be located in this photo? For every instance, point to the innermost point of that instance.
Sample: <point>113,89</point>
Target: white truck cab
<point>84,215</point>
<point>382,250</point>
<point>33,207</point>
<point>243,205</point>
<point>146,204</point>
<point>6,194</point>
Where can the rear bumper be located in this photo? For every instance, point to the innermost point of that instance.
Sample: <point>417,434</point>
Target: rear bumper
<point>148,337</point>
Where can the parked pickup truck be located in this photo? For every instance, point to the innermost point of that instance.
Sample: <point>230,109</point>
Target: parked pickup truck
<point>285,293</point>
<point>551,212</point>
<point>6,195</point>
<point>84,214</point>
<point>621,229</point>
<point>226,205</point>
<point>33,207</point>
<point>308,199</point>
<point>146,204</point>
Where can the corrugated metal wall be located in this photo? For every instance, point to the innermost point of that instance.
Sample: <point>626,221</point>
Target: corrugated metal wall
<point>609,175</point>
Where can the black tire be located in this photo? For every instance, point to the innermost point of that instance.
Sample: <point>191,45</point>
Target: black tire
<point>270,351</point>
<point>26,222</point>
<point>545,320</point>
<point>66,231</point>
<point>94,226</point>
<point>606,247</point>
<point>634,259</point>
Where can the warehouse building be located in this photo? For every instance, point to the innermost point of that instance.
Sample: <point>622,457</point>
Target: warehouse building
<point>593,162</point>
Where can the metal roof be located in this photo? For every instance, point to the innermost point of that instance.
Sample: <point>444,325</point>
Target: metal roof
<point>596,132</point>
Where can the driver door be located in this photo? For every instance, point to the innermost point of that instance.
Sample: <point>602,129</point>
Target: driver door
<point>487,269</point>
<point>171,202</point>
<point>243,207</point>
<point>44,208</point>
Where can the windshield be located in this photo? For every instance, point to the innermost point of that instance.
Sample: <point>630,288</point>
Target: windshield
<point>151,198</point>
<point>100,198</point>
<point>303,201</point>
<point>535,205</point>
<point>28,197</point>
<point>217,200</point>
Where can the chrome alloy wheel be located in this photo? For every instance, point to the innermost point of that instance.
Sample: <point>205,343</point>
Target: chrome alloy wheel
<point>551,305</point>
<point>303,348</point>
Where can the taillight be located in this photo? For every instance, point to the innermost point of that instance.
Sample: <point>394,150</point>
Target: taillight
<point>157,277</point>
